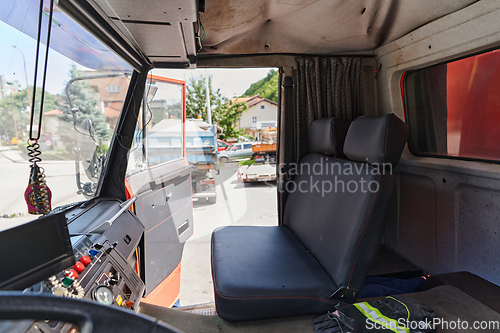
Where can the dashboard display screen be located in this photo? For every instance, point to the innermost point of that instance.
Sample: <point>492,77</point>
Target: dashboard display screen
<point>34,251</point>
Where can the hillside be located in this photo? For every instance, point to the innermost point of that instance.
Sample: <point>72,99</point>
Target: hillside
<point>267,87</point>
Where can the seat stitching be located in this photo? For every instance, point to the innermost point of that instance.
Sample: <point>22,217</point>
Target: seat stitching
<point>361,235</point>
<point>386,137</point>
<point>295,296</point>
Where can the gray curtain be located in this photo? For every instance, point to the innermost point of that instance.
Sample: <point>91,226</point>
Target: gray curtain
<point>326,87</point>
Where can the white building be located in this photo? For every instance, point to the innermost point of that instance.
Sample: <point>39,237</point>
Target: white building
<point>7,87</point>
<point>261,114</point>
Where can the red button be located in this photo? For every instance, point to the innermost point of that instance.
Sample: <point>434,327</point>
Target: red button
<point>72,274</point>
<point>85,260</point>
<point>79,267</point>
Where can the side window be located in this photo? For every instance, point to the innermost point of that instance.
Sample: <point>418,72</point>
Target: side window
<point>79,113</point>
<point>235,147</point>
<point>113,89</point>
<point>159,135</point>
<point>247,146</point>
<point>254,121</point>
<point>452,108</point>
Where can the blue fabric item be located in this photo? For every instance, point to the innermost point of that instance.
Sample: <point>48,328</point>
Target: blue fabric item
<point>387,286</point>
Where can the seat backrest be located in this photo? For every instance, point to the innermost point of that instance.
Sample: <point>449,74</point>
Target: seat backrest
<point>338,208</point>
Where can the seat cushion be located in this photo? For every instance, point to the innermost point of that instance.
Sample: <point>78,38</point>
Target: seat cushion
<point>266,272</point>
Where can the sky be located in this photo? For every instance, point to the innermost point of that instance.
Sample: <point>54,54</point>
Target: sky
<point>11,60</point>
<point>231,82</point>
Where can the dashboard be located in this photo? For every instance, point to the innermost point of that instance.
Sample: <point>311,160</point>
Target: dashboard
<point>86,251</point>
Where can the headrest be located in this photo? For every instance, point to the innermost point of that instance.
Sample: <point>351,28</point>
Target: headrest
<point>376,140</point>
<point>327,135</point>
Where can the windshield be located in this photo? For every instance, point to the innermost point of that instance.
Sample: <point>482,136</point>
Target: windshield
<point>85,88</point>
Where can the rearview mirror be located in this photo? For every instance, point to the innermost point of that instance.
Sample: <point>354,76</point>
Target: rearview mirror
<point>88,150</point>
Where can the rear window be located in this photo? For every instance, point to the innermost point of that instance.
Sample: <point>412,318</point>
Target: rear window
<point>453,109</point>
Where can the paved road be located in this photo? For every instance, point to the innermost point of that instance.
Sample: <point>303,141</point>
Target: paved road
<point>60,177</point>
<point>237,204</point>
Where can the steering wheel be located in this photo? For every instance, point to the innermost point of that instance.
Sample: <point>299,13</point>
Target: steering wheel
<point>91,317</point>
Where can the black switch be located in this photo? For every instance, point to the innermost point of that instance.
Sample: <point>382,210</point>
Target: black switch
<point>127,239</point>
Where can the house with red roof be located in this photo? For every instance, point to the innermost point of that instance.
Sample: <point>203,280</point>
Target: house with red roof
<point>261,114</point>
<point>110,92</point>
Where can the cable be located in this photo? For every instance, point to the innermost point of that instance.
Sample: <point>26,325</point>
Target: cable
<point>31,137</point>
<point>150,115</point>
<point>202,38</point>
<point>37,194</point>
<point>88,77</point>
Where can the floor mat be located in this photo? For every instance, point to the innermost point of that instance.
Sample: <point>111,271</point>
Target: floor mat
<point>207,309</point>
<point>190,322</point>
<point>471,284</point>
<point>451,304</point>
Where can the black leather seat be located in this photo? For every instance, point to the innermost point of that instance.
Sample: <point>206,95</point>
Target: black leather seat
<point>331,234</point>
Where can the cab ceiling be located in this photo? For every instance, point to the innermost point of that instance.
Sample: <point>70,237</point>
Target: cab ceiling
<point>314,26</point>
<point>167,31</point>
<point>162,30</point>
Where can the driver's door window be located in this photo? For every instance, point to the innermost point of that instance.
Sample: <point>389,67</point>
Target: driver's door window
<point>159,175</point>
<point>159,135</point>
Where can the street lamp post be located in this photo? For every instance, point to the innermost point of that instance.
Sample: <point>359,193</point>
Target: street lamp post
<point>14,118</point>
<point>25,75</point>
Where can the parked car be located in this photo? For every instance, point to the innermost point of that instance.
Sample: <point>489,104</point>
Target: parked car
<point>237,151</point>
<point>222,145</point>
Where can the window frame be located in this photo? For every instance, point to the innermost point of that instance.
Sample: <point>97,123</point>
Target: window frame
<point>116,89</point>
<point>404,94</point>
<point>152,78</point>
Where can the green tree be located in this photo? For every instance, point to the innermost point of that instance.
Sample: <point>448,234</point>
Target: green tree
<point>224,113</point>
<point>227,116</point>
<point>175,110</point>
<point>22,111</point>
<point>87,107</point>
<point>196,98</point>
<point>267,87</point>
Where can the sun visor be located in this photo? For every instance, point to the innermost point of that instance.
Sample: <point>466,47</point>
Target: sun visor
<point>67,37</point>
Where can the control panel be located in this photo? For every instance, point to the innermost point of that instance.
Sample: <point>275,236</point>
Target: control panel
<point>100,274</point>
<point>103,271</point>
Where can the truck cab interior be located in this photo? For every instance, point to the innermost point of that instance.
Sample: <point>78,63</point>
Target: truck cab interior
<point>407,87</point>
